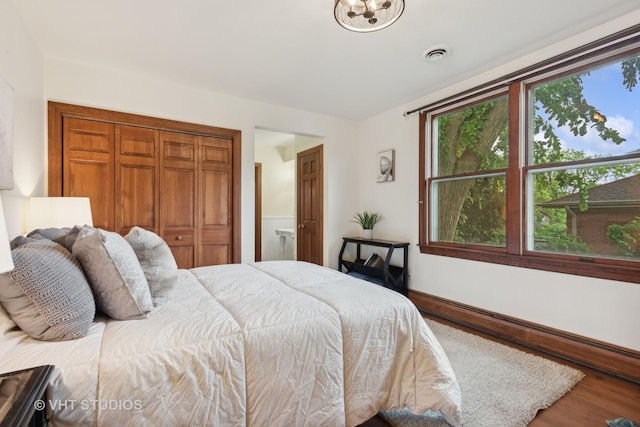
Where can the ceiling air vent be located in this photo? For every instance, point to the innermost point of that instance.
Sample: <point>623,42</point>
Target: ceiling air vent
<point>435,54</point>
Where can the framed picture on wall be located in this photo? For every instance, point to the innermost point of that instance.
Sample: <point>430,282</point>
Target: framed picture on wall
<point>6,136</point>
<point>385,166</point>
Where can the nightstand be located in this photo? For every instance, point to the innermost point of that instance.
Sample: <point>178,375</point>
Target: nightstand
<point>23,398</point>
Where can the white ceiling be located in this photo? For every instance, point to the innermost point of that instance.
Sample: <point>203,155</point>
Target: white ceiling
<point>293,53</point>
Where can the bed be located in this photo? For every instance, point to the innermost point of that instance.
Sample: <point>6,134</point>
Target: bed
<point>279,343</point>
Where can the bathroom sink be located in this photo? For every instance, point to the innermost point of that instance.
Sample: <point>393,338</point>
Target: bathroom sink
<point>286,232</point>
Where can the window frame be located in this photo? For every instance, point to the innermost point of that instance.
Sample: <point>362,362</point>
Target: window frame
<point>447,109</point>
<point>517,88</point>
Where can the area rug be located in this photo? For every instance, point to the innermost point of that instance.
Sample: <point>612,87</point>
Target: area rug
<point>501,386</point>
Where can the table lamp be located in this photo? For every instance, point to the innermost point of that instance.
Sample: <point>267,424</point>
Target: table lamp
<point>58,212</point>
<point>6,262</point>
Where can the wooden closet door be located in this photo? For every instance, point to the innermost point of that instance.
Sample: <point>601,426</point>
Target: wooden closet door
<point>88,166</point>
<point>180,180</point>
<point>216,183</point>
<point>136,178</point>
<point>178,190</point>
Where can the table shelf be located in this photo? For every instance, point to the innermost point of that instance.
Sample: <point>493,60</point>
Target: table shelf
<point>387,275</point>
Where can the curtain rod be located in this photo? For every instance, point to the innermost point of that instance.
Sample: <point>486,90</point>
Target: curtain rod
<point>616,37</point>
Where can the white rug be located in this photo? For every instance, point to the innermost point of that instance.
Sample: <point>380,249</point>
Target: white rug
<point>501,386</point>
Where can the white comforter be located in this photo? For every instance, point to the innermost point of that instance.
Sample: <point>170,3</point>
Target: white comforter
<point>268,344</point>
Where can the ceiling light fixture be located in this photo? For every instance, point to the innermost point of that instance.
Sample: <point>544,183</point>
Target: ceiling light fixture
<point>364,16</point>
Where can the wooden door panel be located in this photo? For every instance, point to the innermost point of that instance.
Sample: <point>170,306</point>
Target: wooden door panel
<point>215,195</point>
<point>88,166</point>
<point>304,246</point>
<point>92,179</point>
<point>178,227</point>
<point>184,256</point>
<point>215,227</point>
<point>310,211</point>
<point>137,142</point>
<point>88,135</point>
<point>217,153</point>
<point>216,254</point>
<point>136,198</point>
<point>309,236</point>
<point>136,189</point>
<point>179,196</point>
<point>216,203</point>
<point>178,193</point>
<point>177,150</point>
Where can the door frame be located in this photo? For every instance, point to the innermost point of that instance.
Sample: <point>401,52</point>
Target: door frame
<point>258,214</point>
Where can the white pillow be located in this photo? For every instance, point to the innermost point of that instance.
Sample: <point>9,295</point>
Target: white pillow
<point>156,260</point>
<point>116,278</point>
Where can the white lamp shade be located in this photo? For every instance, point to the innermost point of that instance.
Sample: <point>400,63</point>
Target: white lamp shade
<point>58,212</point>
<point>6,262</point>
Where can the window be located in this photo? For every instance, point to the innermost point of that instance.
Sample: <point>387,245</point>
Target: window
<point>470,149</point>
<point>542,171</point>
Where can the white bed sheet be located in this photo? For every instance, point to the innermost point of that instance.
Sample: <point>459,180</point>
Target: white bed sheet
<point>277,343</point>
<point>73,386</point>
<point>391,358</point>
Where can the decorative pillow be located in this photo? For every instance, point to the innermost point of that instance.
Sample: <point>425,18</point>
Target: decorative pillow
<point>58,235</point>
<point>47,294</point>
<point>156,260</point>
<point>73,235</point>
<point>116,278</point>
<point>21,240</point>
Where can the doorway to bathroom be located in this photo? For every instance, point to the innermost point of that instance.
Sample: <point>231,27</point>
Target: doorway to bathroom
<point>282,192</point>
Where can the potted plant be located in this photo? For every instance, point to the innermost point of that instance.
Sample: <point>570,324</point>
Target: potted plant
<point>367,221</point>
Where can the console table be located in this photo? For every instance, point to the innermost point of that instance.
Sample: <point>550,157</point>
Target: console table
<point>390,276</point>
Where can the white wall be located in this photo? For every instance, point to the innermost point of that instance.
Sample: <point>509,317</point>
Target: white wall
<point>22,66</point>
<point>143,94</point>
<point>599,309</point>
<point>278,182</point>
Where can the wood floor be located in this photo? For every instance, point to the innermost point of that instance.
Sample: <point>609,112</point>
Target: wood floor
<point>596,398</point>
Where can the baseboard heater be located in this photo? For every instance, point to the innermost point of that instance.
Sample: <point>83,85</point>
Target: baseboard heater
<point>613,360</point>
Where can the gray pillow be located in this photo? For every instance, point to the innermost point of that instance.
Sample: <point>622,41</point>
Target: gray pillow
<point>21,240</point>
<point>73,235</point>
<point>115,276</point>
<point>58,235</point>
<point>47,294</point>
<point>156,260</point>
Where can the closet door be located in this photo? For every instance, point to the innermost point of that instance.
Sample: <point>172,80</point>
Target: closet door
<point>88,157</point>
<point>178,191</point>
<point>180,180</point>
<point>216,183</point>
<point>136,178</point>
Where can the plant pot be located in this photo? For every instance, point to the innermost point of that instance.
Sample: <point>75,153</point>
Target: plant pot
<point>367,234</point>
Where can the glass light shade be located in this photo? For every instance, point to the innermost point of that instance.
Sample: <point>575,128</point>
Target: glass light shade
<point>367,15</point>
<point>6,262</point>
<point>58,212</point>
